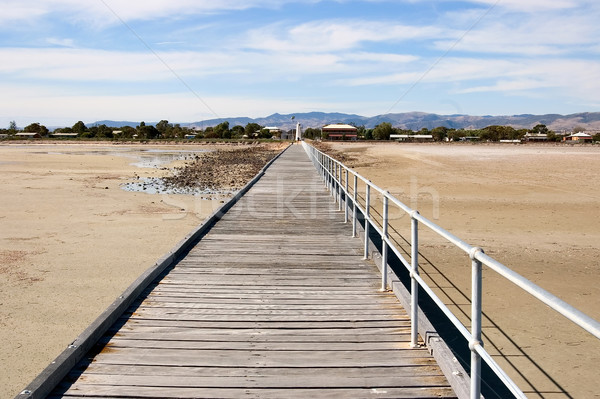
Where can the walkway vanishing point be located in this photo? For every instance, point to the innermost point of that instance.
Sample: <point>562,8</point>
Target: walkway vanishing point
<point>274,301</point>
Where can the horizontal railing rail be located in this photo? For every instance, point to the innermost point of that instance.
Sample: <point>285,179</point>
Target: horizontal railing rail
<point>337,178</point>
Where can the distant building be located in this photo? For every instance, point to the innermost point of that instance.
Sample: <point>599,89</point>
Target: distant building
<point>273,130</point>
<point>289,135</point>
<point>189,136</point>
<point>340,131</point>
<point>536,137</point>
<point>412,137</point>
<point>579,137</point>
<point>25,135</point>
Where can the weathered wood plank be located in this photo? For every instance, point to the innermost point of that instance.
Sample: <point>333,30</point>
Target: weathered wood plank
<point>165,371</point>
<point>108,392</point>
<point>280,381</point>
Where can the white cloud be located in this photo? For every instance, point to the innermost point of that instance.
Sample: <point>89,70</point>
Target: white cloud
<point>333,35</point>
<point>61,42</point>
<point>104,12</point>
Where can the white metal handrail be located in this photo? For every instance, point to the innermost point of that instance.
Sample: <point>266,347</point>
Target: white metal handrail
<point>336,177</point>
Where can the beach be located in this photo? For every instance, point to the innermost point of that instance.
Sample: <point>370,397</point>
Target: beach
<point>533,208</point>
<point>72,240</point>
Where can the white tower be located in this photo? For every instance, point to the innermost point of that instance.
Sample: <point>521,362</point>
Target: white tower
<point>298,131</point>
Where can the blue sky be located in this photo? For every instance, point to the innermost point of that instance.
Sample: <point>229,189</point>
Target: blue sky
<point>189,60</point>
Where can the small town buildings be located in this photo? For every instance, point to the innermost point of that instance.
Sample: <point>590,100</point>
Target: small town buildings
<point>340,131</point>
<point>579,137</point>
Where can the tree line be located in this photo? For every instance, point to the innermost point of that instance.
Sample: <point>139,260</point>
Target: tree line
<point>383,131</point>
<point>143,131</point>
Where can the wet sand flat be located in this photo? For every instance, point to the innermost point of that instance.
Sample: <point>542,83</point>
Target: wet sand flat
<point>71,241</point>
<point>533,207</point>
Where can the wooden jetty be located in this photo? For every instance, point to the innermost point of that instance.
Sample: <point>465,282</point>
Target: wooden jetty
<point>274,301</point>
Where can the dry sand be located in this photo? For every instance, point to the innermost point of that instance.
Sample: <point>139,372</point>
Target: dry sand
<point>533,207</point>
<point>71,241</point>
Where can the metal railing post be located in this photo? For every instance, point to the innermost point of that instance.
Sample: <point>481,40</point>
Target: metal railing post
<point>354,197</point>
<point>331,179</point>
<point>475,324</point>
<point>414,284</point>
<point>346,196</point>
<point>367,213</point>
<point>339,190</point>
<point>328,174</point>
<point>384,245</point>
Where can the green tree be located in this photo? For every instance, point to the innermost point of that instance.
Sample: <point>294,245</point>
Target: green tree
<point>104,131</point>
<point>79,128</point>
<point>178,131</point>
<point>148,132</point>
<point>164,128</point>
<point>36,128</point>
<point>252,128</point>
<point>128,132</point>
<point>237,131</point>
<point>540,128</point>
<point>311,133</point>
<point>439,133</point>
<point>12,127</point>
<point>383,131</point>
<point>222,130</point>
<point>360,131</point>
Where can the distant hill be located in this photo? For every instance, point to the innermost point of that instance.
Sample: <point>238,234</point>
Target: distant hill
<point>409,120</point>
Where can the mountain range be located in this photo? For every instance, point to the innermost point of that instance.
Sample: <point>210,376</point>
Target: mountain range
<point>409,120</point>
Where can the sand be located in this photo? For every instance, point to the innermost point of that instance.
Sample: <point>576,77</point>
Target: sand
<point>71,241</point>
<point>533,207</point>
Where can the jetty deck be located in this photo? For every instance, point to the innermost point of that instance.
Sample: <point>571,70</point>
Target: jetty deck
<point>274,301</point>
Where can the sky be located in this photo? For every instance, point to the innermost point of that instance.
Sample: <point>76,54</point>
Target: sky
<point>190,60</point>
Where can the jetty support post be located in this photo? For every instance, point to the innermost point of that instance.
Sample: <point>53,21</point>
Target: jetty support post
<point>384,244</point>
<point>354,198</point>
<point>367,219</point>
<point>476,292</point>
<point>414,284</point>
<point>346,204</point>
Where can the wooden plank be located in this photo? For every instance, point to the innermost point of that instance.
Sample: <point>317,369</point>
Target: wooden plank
<point>279,381</point>
<point>261,358</point>
<point>108,392</point>
<point>165,371</point>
